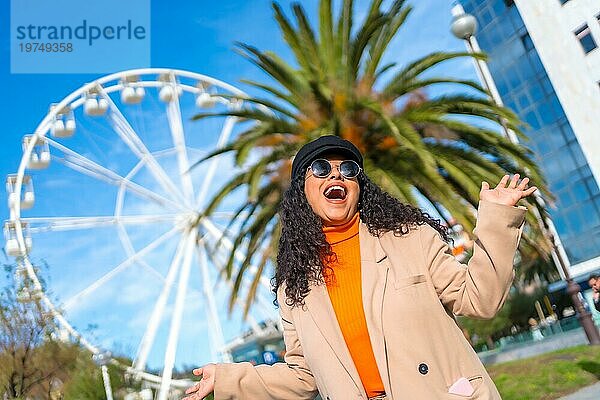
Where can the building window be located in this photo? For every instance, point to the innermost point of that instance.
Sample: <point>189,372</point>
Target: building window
<point>527,42</point>
<point>585,38</point>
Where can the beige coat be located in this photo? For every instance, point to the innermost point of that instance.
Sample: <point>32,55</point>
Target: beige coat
<point>411,287</point>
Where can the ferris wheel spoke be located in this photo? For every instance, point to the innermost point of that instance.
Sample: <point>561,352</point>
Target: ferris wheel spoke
<point>137,146</point>
<point>178,136</point>
<point>217,234</point>
<point>139,362</point>
<point>88,167</point>
<point>214,163</point>
<point>119,268</point>
<point>53,311</point>
<point>254,326</point>
<point>227,214</point>
<point>266,306</point>
<point>130,251</point>
<point>215,328</point>
<point>177,315</point>
<point>46,224</point>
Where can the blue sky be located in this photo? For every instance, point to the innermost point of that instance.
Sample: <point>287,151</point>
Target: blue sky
<point>191,35</point>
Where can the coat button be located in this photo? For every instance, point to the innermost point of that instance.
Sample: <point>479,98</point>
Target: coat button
<point>423,368</point>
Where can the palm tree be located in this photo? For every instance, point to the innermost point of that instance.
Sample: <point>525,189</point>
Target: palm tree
<point>414,146</point>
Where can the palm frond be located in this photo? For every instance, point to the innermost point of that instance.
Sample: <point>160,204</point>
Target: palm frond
<point>417,67</point>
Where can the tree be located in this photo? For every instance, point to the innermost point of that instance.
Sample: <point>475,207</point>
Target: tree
<point>31,359</point>
<point>414,146</point>
<point>485,329</point>
<point>86,383</point>
<point>515,314</point>
<point>34,362</point>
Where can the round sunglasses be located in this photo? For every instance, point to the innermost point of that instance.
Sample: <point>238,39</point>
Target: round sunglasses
<point>321,168</point>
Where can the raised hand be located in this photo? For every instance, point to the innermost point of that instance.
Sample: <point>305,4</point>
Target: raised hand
<point>206,385</point>
<point>507,195</point>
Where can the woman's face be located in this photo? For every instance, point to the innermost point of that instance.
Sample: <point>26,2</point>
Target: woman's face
<point>333,198</point>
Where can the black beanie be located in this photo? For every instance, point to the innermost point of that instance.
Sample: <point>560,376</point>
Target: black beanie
<point>325,144</point>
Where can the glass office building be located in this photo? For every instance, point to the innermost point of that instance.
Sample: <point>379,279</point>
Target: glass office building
<point>525,87</point>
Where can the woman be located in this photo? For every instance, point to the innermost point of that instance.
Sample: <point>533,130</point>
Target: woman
<point>368,288</point>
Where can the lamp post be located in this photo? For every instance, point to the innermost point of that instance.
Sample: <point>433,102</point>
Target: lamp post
<point>464,27</point>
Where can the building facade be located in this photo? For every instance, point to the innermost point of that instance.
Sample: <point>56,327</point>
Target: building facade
<point>545,62</point>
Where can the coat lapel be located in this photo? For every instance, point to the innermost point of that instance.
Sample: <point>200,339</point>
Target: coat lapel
<point>374,270</point>
<point>374,274</point>
<point>319,306</point>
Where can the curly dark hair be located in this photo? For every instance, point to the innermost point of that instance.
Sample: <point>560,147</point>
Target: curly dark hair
<point>303,251</point>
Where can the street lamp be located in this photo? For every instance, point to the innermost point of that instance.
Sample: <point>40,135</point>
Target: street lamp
<point>464,27</point>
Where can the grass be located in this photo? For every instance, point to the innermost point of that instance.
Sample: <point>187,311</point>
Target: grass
<point>548,376</point>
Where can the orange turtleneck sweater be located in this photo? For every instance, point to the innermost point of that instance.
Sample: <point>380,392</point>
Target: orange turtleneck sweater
<point>345,292</point>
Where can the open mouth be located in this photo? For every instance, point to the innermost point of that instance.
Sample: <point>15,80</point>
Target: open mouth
<point>335,192</point>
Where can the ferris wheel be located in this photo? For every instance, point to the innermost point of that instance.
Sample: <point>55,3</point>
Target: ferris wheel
<point>117,217</point>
